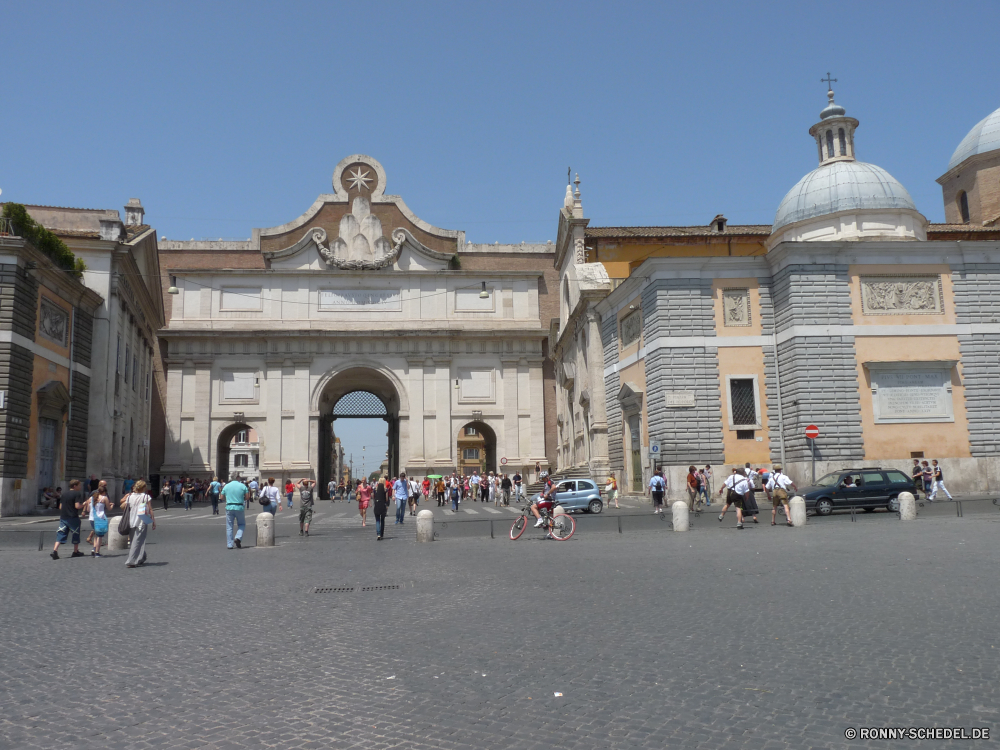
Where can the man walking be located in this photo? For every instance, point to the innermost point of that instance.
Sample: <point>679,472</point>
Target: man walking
<point>517,485</point>
<point>474,485</point>
<point>917,475</point>
<point>213,494</point>
<point>736,488</point>
<point>331,490</point>
<point>235,495</point>
<point>306,490</point>
<point>254,487</point>
<point>401,492</point>
<point>69,519</point>
<point>937,482</point>
<point>693,488</point>
<point>777,486</point>
<point>657,488</point>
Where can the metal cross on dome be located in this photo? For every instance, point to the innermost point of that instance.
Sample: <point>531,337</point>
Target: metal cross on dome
<point>828,81</point>
<point>359,179</point>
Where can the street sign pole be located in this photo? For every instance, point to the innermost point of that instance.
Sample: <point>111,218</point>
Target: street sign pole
<point>812,432</point>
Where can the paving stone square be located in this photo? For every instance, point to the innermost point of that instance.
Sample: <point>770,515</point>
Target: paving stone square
<point>763,638</point>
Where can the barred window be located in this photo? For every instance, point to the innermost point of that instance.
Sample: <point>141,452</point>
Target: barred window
<point>470,454</point>
<point>742,401</point>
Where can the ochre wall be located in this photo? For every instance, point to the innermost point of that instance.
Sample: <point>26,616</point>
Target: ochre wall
<point>620,258</point>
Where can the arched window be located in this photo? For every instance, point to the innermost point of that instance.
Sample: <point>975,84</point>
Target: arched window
<point>829,144</point>
<point>820,149</point>
<point>843,142</point>
<point>963,206</point>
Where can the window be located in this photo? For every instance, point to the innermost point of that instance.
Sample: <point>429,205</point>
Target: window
<point>471,431</point>
<point>746,434</point>
<point>720,226</point>
<point>128,356</point>
<point>829,144</point>
<point>241,436</point>
<point>470,454</point>
<point>135,367</point>
<point>897,477</point>
<point>843,142</point>
<point>584,485</point>
<point>872,477</point>
<point>241,460</point>
<point>566,487</point>
<point>118,356</point>
<point>743,401</point>
<point>963,206</point>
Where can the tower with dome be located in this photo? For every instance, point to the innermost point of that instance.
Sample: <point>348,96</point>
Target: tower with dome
<point>971,186</point>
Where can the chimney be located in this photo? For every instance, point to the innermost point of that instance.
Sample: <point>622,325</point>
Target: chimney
<point>134,212</point>
<point>111,227</point>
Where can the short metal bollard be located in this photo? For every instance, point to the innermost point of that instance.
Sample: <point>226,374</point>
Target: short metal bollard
<point>265,529</point>
<point>680,512</point>
<point>797,510</point>
<point>907,506</point>
<point>115,540</point>
<point>425,526</point>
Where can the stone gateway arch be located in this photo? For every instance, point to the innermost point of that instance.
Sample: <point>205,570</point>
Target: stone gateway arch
<point>357,295</point>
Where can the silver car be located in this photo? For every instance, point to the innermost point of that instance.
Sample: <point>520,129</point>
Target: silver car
<point>578,494</point>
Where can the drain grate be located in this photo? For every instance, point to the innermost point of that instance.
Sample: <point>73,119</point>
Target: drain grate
<point>381,588</point>
<point>333,590</point>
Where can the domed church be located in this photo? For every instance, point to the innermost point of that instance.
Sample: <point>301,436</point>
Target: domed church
<point>719,344</point>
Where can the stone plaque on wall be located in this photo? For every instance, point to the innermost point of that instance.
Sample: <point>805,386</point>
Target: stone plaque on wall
<point>53,322</point>
<point>901,295</point>
<point>735,307</point>
<point>912,394</point>
<point>631,328</point>
<point>679,399</point>
<point>359,300</point>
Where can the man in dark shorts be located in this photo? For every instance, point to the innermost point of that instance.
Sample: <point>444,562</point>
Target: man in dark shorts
<point>306,490</point>
<point>69,519</point>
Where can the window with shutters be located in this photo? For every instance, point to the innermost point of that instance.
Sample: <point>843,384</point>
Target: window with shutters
<point>744,402</point>
<point>241,460</point>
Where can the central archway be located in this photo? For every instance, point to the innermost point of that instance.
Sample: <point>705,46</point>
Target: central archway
<point>356,393</point>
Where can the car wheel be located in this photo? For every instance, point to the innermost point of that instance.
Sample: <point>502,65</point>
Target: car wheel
<point>824,506</point>
<point>893,505</point>
<point>595,506</point>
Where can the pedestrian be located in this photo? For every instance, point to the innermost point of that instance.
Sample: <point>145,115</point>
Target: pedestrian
<point>693,488</point>
<point>289,491</point>
<point>425,489</point>
<point>272,496</point>
<point>474,485</point>
<point>188,490</point>
<point>69,519</point>
<point>234,493</point>
<point>657,488</point>
<point>254,488</point>
<point>927,475</point>
<point>381,508</point>
<point>128,484</point>
<point>917,475</point>
<point>177,490</point>
<point>414,488</point>
<point>95,483</point>
<point>456,494</point>
<point>401,493</point>
<point>88,507</point>
<point>517,485</point>
<point>506,486</point>
<point>307,491</point>
<point>703,489</point>
<point>364,494</point>
<point>439,490</point>
<point>465,487</point>
<point>937,482</point>
<point>750,500</point>
<point>708,476</point>
<point>214,489</point>
<point>165,493</point>
<point>611,489</point>
<point>779,484</point>
<point>538,470</point>
<point>736,488</point>
<point>140,509</point>
<point>99,503</point>
<point>765,477</point>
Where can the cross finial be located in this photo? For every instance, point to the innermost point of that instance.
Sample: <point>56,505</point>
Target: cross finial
<point>569,173</point>
<point>828,81</point>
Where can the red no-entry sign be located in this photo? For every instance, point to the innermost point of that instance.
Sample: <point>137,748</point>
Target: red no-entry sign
<point>812,432</point>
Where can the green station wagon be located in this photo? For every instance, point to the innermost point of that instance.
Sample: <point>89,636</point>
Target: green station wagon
<point>867,489</point>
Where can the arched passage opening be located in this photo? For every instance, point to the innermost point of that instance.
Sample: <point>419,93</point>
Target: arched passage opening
<point>477,448</point>
<point>243,439</point>
<point>358,426</point>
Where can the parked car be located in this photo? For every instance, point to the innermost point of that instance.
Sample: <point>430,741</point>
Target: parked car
<point>578,494</point>
<point>868,488</point>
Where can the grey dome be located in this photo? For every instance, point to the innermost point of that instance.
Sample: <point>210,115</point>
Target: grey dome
<point>841,186</point>
<point>984,137</point>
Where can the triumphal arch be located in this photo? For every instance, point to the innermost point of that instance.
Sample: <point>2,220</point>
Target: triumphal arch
<point>356,308</point>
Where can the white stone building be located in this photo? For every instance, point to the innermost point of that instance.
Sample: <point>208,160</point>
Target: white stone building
<point>356,308</point>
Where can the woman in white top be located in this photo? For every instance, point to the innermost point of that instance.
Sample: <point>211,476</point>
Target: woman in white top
<point>140,508</point>
<point>98,504</point>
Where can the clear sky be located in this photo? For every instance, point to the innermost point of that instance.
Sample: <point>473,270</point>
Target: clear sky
<point>223,116</point>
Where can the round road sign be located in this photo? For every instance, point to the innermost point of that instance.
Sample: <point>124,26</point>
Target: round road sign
<point>503,461</point>
<point>812,432</point>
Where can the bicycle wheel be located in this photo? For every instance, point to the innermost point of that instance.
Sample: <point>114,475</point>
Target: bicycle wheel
<point>563,527</point>
<point>520,524</point>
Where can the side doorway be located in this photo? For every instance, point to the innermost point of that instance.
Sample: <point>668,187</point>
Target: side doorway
<point>635,453</point>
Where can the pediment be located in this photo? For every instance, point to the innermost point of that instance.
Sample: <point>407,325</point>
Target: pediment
<point>630,395</point>
<point>359,227</point>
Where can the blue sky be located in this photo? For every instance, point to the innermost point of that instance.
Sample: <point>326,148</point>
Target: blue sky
<point>224,116</point>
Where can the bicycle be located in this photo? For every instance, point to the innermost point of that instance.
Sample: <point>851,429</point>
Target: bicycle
<point>560,527</point>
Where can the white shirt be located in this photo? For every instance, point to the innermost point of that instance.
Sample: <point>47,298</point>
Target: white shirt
<point>780,480</point>
<point>272,493</point>
<point>738,484</point>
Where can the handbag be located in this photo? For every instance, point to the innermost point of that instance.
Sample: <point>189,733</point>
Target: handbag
<point>100,526</point>
<point>124,527</point>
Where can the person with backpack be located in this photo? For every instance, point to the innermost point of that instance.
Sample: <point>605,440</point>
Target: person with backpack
<point>658,488</point>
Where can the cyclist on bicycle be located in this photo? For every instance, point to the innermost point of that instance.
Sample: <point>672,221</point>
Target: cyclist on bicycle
<point>547,499</point>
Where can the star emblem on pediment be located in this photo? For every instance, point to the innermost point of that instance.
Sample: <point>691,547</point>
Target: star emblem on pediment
<point>359,178</point>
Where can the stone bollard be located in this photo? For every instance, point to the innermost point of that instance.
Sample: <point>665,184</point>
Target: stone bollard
<point>907,506</point>
<point>680,510</point>
<point>559,511</point>
<point>425,526</point>
<point>265,529</point>
<point>797,510</point>
<point>114,540</point>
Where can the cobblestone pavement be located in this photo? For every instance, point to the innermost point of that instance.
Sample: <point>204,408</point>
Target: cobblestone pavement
<point>764,638</point>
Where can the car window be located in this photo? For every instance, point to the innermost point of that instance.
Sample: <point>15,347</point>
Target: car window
<point>827,481</point>
<point>583,485</point>
<point>851,480</point>
<point>898,476</point>
<point>873,477</point>
<point>566,487</point>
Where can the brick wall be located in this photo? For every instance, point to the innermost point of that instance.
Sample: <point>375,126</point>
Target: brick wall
<point>18,300</point>
<point>16,369</point>
<point>612,384</point>
<point>977,300</point>
<point>76,429</point>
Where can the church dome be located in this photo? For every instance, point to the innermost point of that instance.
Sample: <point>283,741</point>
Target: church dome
<point>984,137</point>
<point>841,186</point>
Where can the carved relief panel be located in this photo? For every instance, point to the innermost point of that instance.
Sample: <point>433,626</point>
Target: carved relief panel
<point>53,322</point>
<point>901,295</point>
<point>631,328</point>
<point>735,307</point>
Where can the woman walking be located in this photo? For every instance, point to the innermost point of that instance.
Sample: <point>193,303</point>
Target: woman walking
<point>364,494</point>
<point>165,493</point>
<point>456,495</point>
<point>381,508</point>
<point>98,505</point>
<point>140,509</point>
<point>611,488</point>
<point>289,491</point>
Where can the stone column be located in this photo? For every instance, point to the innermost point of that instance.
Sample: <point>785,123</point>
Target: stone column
<point>270,458</point>
<point>442,412</point>
<point>203,452</point>
<point>510,447</point>
<point>415,368</point>
<point>172,415</point>
<point>536,451</point>
<point>600,463</point>
<point>300,398</point>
